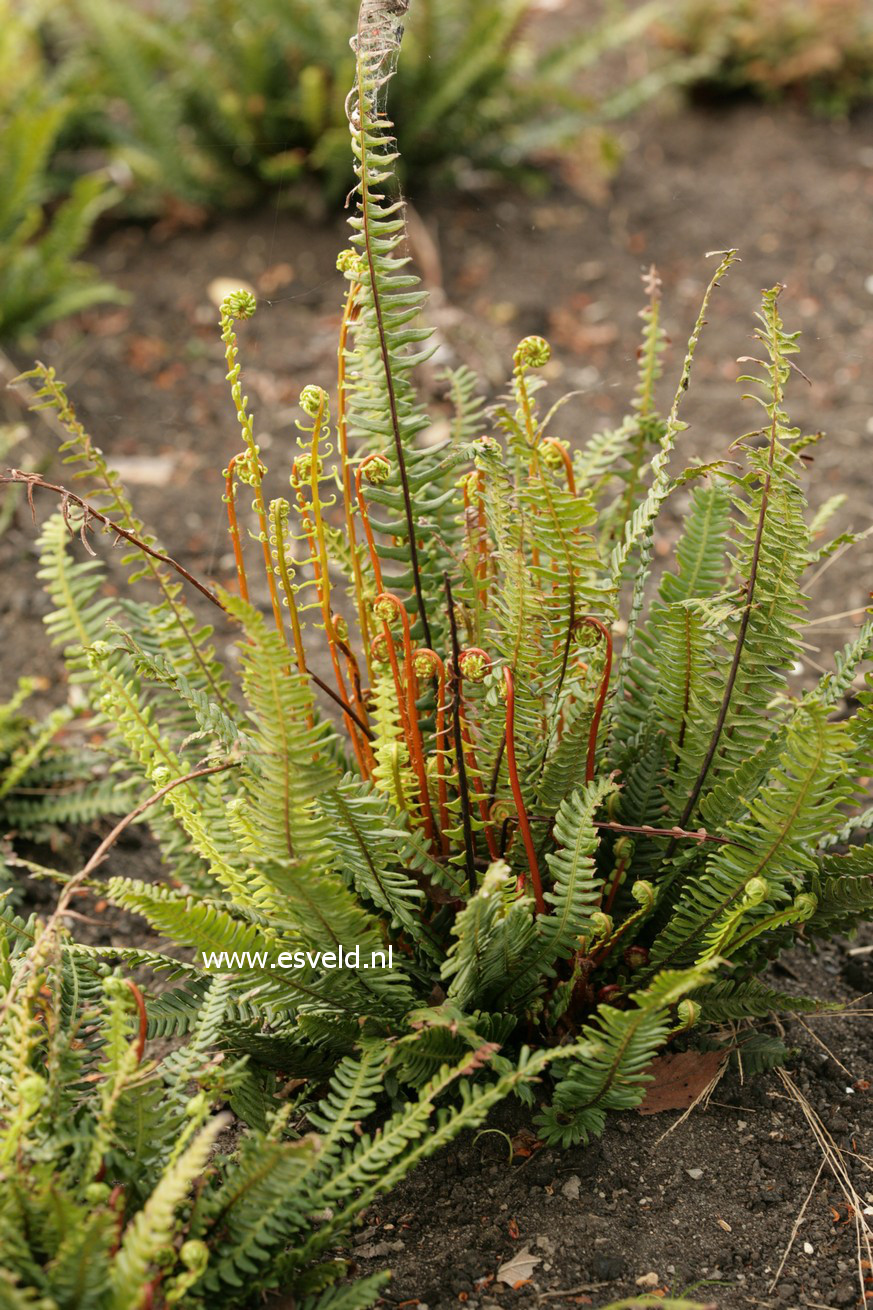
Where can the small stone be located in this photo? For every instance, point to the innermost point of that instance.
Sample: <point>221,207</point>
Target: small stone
<point>808,1248</point>
<point>696,1174</point>
<point>648,1280</point>
<point>572,1187</point>
<point>844,1294</point>
<point>608,1267</point>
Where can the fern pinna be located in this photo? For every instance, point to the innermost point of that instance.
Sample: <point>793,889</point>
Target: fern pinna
<point>447,755</point>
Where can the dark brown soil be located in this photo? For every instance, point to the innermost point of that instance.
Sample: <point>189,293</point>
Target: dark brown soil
<point>795,196</point>
<point>709,1208</point>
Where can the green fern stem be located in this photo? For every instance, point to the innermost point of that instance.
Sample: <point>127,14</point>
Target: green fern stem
<point>427,661</point>
<point>238,306</point>
<point>475,664</point>
<point>606,634</point>
<point>277,518</point>
<point>460,760</point>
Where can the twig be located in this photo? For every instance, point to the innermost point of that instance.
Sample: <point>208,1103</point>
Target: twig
<point>815,1037</point>
<point>572,1291</point>
<point>704,1096</point>
<point>34,481</point>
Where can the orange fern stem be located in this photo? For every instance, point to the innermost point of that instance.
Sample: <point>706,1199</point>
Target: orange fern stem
<point>482,666</point>
<point>233,526</point>
<point>143,1020</point>
<point>360,472</point>
<point>561,450</point>
<point>517,796</point>
<point>601,696</point>
<point>413,737</point>
<point>319,568</point>
<point>368,763</point>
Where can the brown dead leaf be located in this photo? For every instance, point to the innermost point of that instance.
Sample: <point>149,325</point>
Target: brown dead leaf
<point>524,1143</point>
<point>679,1078</point>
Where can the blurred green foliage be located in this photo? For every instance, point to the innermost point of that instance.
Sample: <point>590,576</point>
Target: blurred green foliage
<point>45,221</point>
<point>215,100</point>
<point>819,52</point>
<point>215,103</point>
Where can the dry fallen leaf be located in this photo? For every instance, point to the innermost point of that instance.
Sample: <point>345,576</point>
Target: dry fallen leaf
<point>678,1079</point>
<point>519,1268</point>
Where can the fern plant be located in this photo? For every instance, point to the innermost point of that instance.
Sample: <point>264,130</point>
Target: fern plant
<point>444,757</point>
<point>120,1187</point>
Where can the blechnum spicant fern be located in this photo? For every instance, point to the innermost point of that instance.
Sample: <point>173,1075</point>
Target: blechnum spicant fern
<point>120,1188</point>
<point>445,755</point>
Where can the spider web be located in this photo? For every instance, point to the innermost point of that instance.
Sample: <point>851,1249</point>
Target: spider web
<point>380,29</point>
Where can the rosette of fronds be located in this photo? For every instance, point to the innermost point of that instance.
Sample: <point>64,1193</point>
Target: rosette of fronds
<point>433,746</point>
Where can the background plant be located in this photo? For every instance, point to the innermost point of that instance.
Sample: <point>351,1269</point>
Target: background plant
<point>45,222</point>
<point>256,92</point>
<point>558,845</point>
<point>816,51</point>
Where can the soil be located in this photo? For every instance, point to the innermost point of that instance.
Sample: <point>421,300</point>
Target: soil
<point>794,195</point>
<point>702,1208</point>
